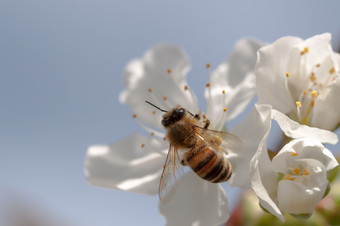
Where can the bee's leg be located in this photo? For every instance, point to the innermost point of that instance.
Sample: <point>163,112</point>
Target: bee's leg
<point>197,117</point>
<point>207,123</point>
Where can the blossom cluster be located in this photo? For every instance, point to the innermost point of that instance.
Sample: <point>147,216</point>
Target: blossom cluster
<point>292,82</point>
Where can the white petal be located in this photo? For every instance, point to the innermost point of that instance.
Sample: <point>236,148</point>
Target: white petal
<point>251,131</point>
<point>127,165</point>
<point>295,130</point>
<point>196,202</point>
<point>326,112</point>
<point>303,194</point>
<point>148,79</point>
<point>270,70</point>
<point>263,178</point>
<point>235,77</point>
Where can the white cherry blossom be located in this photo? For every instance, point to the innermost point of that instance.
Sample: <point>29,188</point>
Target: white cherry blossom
<point>136,162</point>
<point>295,180</point>
<point>301,78</point>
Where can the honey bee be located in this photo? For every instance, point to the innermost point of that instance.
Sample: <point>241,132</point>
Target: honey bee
<point>201,149</point>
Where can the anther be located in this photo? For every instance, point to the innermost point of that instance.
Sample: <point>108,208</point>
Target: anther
<point>165,98</point>
<point>143,145</point>
<point>314,93</point>
<point>298,103</point>
<point>296,170</point>
<point>225,109</point>
<point>305,50</point>
<point>207,85</point>
<point>153,112</point>
<point>150,90</point>
<point>169,71</point>
<point>152,133</point>
<point>294,154</point>
<point>287,74</point>
<point>164,138</point>
<point>223,91</point>
<point>332,70</point>
<point>305,172</point>
<point>304,92</point>
<point>208,65</point>
<point>185,87</point>
<point>312,77</point>
<point>134,116</point>
<point>317,65</point>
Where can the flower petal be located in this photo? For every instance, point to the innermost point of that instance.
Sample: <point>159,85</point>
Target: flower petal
<point>196,202</point>
<point>251,131</point>
<point>159,78</point>
<point>236,79</point>
<point>295,130</point>
<point>133,164</point>
<point>270,70</point>
<point>327,108</point>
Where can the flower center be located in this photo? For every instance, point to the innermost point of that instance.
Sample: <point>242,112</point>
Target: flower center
<point>318,77</point>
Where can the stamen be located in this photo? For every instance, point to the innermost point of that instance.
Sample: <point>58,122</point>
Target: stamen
<point>164,138</point>
<point>294,154</point>
<point>287,177</point>
<point>317,65</point>
<point>314,93</point>
<point>152,133</point>
<point>165,98</point>
<point>225,109</point>
<point>153,112</point>
<point>332,70</point>
<point>305,172</point>
<point>207,85</point>
<point>134,116</point>
<point>296,170</point>
<point>287,74</point>
<point>223,91</point>
<point>304,92</point>
<point>298,103</point>
<point>169,71</point>
<point>143,145</point>
<point>312,77</point>
<point>208,65</point>
<point>185,88</point>
<point>150,90</point>
<point>305,50</point>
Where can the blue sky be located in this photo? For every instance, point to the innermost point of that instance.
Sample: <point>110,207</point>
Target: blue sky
<point>61,66</point>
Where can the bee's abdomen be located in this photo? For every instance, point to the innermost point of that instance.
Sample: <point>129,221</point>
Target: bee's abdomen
<point>209,165</point>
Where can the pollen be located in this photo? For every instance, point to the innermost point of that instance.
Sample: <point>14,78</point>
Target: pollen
<point>142,145</point>
<point>304,92</point>
<point>296,170</point>
<point>150,90</point>
<point>165,98</point>
<point>332,70</point>
<point>169,71</point>
<point>294,154</point>
<point>314,93</point>
<point>305,172</point>
<point>207,85</point>
<point>134,116</point>
<point>223,91</point>
<point>287,177</point>
<point>208,65</point>
<point>287,74</point>
<point>305,50</point>
<point>298,103</point>
<point>185,88</point>
<point>224,109</point>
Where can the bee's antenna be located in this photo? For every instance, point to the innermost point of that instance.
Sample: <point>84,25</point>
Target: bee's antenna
<point>155,106</point>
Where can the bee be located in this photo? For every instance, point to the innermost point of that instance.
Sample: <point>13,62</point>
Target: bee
<point>202,149</point>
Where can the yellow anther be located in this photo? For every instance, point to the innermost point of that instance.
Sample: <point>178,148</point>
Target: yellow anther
<point>296,170</point>
<point>165,98</point>
<point>224,109</point>
<point>332,70</point>
<point>223,91</point>
<point>294,154</point>
<point>305,50</point>
<point>304,92</point>
<point>207,85</point>
<point>287,74</point>
<point>204,116</point>
<point>287,177</point>
<point>312,77</point>
<point>305,172</point>
<point>208,65</point>
<point>298,103</point>
<point>153,112</point>
<point>134,115</point>
<point>150,90</point>
<point>143,145</point>
<point>185,87</point>
<point>169,71</point>
<point>314,93</point>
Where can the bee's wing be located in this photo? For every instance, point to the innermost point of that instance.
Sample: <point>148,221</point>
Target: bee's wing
<point>172,171</point>
<point>219,140</point>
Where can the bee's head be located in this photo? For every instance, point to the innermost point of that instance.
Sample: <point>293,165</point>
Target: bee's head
<point>173,116</point>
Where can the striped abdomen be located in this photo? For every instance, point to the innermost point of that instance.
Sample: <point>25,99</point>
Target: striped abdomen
<point>208,164</point>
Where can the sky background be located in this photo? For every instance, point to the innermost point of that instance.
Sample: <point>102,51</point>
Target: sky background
<point>61,66</point>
